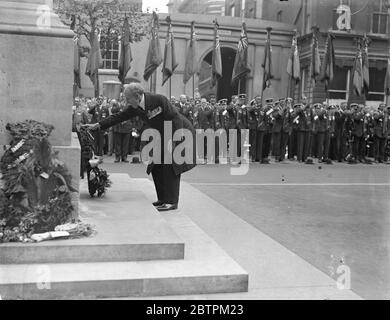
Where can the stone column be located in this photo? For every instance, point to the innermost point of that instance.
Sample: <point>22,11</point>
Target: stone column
<point>36,74</point>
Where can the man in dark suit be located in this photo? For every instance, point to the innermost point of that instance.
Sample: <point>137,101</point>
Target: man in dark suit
<point>154,110</point>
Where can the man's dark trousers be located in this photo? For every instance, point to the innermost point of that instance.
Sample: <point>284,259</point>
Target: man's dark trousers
<point>167,183</point>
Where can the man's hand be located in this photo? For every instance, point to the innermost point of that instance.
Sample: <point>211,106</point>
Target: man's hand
<point>92,127</point>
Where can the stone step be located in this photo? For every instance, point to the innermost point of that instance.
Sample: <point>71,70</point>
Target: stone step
<point>128,228</point>
<point>206,269</point>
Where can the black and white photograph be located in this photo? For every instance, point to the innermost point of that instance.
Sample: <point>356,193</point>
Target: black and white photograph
<point>219,152</point>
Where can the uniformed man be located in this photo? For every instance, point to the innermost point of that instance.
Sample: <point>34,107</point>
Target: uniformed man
<point>339,132</point>
<point>241,120</point>
<point>277,125</point>
<point>99,112</point>
<point>380,120</point>
<point>263,130</point>
<point>287,127</point>
<point>122,132</point>
<point>219,127</point>
<point>230,123</point>
<point>321,125</point>
<point>302,131</point>
<point>357,132</point>
<point>253,110</point>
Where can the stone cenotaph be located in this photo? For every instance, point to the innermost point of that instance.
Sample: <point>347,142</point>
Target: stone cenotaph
<point>36,75</point>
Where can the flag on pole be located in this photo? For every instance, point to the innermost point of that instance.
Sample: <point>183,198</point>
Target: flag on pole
<point>293,64</point>
<point>357,80</point>
<point>315,56</point>
<point>327,67</point>
<point>216,60</point>
<point>170,63</point>
<point>191,66</point>
<point>76,61</point>
<point>267,63</point>
<point>241,67</point>
<point>94,60</point>
<point>125,56</point>
<point>365,64</point>
<point>154,56</point>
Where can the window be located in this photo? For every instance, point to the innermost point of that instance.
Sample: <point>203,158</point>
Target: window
<point>379,23</point>
<point>233,10</point>
<point>338,88</point>
<point>110,54</point>
<point>377,80</point>
<point>279,16</point>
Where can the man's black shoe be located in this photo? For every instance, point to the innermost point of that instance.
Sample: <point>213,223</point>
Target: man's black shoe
<point>167,207</point>
<point>117,160</point>
<point>158,203</point>
<point>125,160</point>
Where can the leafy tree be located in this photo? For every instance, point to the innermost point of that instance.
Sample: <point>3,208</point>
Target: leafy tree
<point>105,16</point>
<point>85,17</point>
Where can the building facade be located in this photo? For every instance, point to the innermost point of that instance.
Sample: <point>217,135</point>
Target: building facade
<point>230,29</point>
<point>348,21</point>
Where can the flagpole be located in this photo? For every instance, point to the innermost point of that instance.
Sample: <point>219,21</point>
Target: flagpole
<point>170,87</point>
<point>193,86</point>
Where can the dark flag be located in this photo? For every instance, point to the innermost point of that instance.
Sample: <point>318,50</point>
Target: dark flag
<point>293,64</point>
<point>170,63</point>
<point>216,61</point>
<point>365,65</point>
<point>315,56</point>
<point>357,80</point>
<point>327,67</point>
<point>267,63</point>
<point>94,60</point>
<point>154,56</point>
<point>76,61</point>
<point>125,57</point>
<point>191,66</point>
<point>241,68</point>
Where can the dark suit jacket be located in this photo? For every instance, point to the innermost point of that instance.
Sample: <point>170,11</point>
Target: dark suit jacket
<point>157,110</point>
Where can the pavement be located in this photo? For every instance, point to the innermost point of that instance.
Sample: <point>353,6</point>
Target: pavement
<point>330,216</point>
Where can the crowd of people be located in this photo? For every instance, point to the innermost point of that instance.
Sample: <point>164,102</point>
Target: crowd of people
<point>283,130</point>
<point>121,140</point>
<point>278,129</point>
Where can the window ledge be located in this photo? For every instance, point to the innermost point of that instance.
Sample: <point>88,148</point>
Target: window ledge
<point>109,72</point>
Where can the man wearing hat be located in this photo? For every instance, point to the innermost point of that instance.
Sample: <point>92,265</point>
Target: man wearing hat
<point>357,132</point>
<point>231,121</point>
<point>99,112</point>
<point>264,127</point>
<point>219,126</point>
<point>380,119</point>
<point>242,119</point>
<point>277,124</point>
<point>287,127</point>
<point>339,131</point>
<point>253,111</point>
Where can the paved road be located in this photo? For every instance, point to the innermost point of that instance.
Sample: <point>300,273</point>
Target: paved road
<point>327,214</point>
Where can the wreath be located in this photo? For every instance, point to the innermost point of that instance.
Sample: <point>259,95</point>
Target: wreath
<point>35,193</point>
<point>98,179</point>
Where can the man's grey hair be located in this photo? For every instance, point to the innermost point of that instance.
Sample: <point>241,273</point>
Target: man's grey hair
<point>132,89</point>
